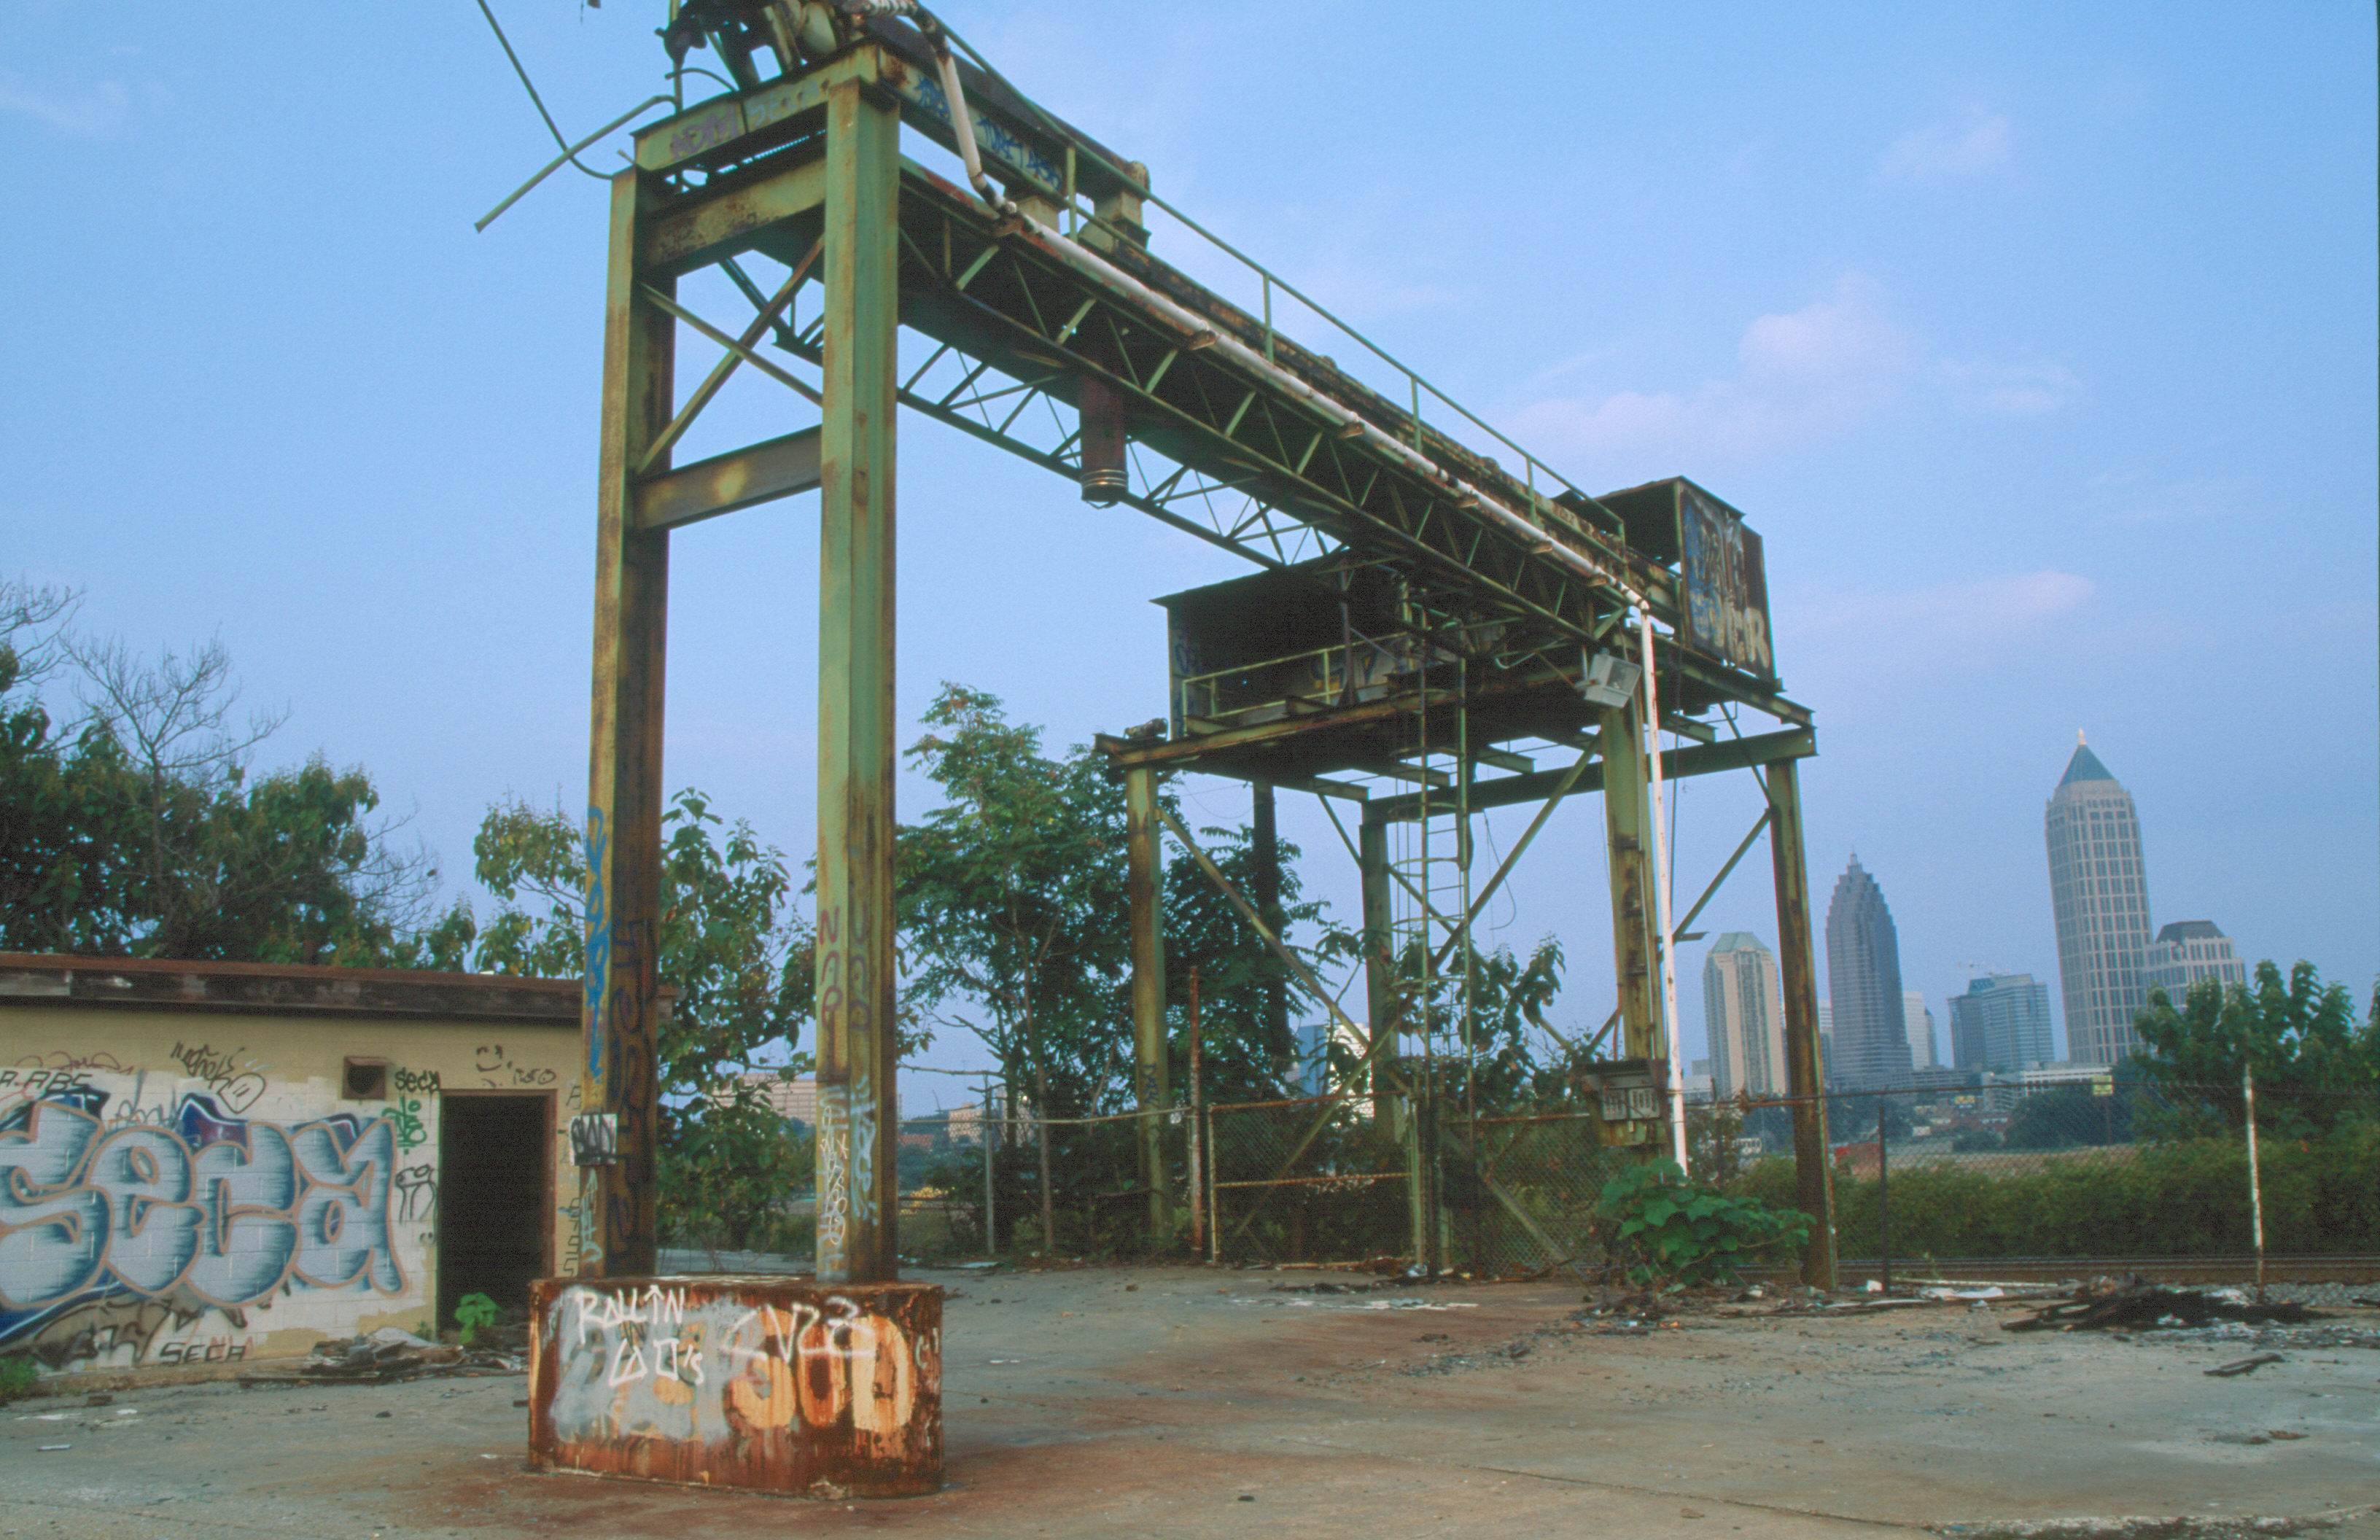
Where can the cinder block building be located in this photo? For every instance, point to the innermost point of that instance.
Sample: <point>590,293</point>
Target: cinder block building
<point>215,1163</point>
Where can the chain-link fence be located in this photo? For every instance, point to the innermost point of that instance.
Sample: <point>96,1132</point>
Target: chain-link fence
<point>2084,1167</point>
<point>1979,1171</point>
<point>1318,1180</point>
<point>1058,1186</point>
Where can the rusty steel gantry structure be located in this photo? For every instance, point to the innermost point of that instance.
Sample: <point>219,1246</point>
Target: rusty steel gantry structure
<point>1421,613</point>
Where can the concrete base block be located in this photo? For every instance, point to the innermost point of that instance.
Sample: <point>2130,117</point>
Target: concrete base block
<point>770,1384</point>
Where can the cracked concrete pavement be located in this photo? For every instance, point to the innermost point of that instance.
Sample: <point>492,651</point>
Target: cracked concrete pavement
<point>1182,1401</point>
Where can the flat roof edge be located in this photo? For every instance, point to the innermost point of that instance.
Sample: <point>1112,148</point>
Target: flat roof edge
<point>400,994</point>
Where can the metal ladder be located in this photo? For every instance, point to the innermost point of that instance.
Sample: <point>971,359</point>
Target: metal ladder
<point>1429,902</point>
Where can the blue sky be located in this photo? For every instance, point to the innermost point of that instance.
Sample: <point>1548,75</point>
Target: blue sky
<point>2038,342</point>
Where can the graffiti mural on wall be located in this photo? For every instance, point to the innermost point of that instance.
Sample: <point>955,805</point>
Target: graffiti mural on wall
<point>198,1209</point>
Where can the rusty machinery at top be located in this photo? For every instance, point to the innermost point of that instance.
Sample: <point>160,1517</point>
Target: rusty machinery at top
<point>1432,609</point>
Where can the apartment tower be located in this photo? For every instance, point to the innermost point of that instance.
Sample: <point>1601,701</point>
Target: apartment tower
<point>1744,1011</point>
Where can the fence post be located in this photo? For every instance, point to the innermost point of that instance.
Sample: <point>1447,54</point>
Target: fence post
<point>1197,1127</point>
<point>1884,1189</point>
<point>1041,1131</point>
<point>1215,1228</point>
<point>2255,1180</point>
<point>987,1129</point>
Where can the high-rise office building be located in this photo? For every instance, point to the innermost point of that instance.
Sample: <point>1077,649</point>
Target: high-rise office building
<point>1919,1022</point>
<point>1863,984</point>
<point>2185,953</point>
<point>2001,1025</point>
<point>1826,1043</point>
<point>2099,891</point>
<point>1743,1014</point>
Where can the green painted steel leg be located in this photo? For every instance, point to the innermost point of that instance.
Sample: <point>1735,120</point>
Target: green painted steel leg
<point>1379,964</point>
<point>1627,820</point>
<point>1148,1048</point>
<point>616,1231</point>
<point>857,1112</point>
<point>1797,965</point>
<point>1264,890</point>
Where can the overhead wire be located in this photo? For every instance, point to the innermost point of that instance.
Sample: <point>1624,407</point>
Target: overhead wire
<point>569,151</point>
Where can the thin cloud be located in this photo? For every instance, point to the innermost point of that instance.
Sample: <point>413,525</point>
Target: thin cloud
<point>1986,610</point>
<point>1800,374</point>
<point>92,111</point>
<point>2008,390</point>
<point>1972,144</point>
<point>2128,501</point>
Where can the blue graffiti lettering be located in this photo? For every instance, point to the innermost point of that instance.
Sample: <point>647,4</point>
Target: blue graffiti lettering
<point>228,1209</point>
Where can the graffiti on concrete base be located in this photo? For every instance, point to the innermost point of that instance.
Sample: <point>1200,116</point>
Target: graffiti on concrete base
<point>650,1363</point>
<point>202,1209</point>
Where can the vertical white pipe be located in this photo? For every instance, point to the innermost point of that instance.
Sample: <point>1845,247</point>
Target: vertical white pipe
<point>1662,893</point>
<point>2255,1178</point>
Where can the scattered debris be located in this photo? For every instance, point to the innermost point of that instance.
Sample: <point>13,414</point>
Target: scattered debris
<point>388,1356</point>
<point>2131,1305</point>
<point>2193,1527</point>
<point>2246,1366</point>
<point>51,1449</point>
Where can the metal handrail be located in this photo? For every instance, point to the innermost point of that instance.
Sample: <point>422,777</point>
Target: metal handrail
<point>1271,280</point>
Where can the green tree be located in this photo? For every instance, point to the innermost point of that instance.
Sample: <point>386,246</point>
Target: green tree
<point>1014,912</point>
<point>134,825</point>
<point>2069,1116</point>
<point>1015,916</point>
<point>738,954</point>
<point>2313,1058</point>
<point>1242,1058</point>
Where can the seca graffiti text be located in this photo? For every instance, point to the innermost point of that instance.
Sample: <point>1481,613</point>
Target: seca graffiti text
<point>228,1209</point>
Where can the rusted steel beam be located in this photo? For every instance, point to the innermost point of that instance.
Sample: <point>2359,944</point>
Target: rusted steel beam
<point>702,228</point>
<point>1797,966</point>
<point>857,1115</point>
<point>739,479</point>
<point>1144,878</point>
<point>763,1382</point>
<point>1760,748</point>
<point>622,1004</point>
<point>1627,818</point>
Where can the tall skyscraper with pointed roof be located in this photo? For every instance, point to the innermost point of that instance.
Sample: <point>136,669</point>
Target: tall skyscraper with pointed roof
<point>1863,984</point>
<point>2099,890</point>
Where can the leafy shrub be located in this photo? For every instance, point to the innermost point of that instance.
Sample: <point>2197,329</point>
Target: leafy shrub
<point>1693,1234</point>
<point>17,1377</point>
<point>471,1313</point>
<point>2185,1197</point>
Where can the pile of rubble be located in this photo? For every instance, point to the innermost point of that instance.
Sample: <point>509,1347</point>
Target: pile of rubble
<point>2132,1304</point>
<point>390,1356</point>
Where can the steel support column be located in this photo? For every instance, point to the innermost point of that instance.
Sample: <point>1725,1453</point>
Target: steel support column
<point>1149,1049</point>
<point>622,1014</point>
<point>1803,1079</point>
<point>857,1116</point>
<point>1264,888</point>
<point>1627,820</point>
<point>1380,966</point>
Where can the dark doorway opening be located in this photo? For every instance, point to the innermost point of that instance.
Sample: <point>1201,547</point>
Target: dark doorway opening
<point>493,1211</point>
